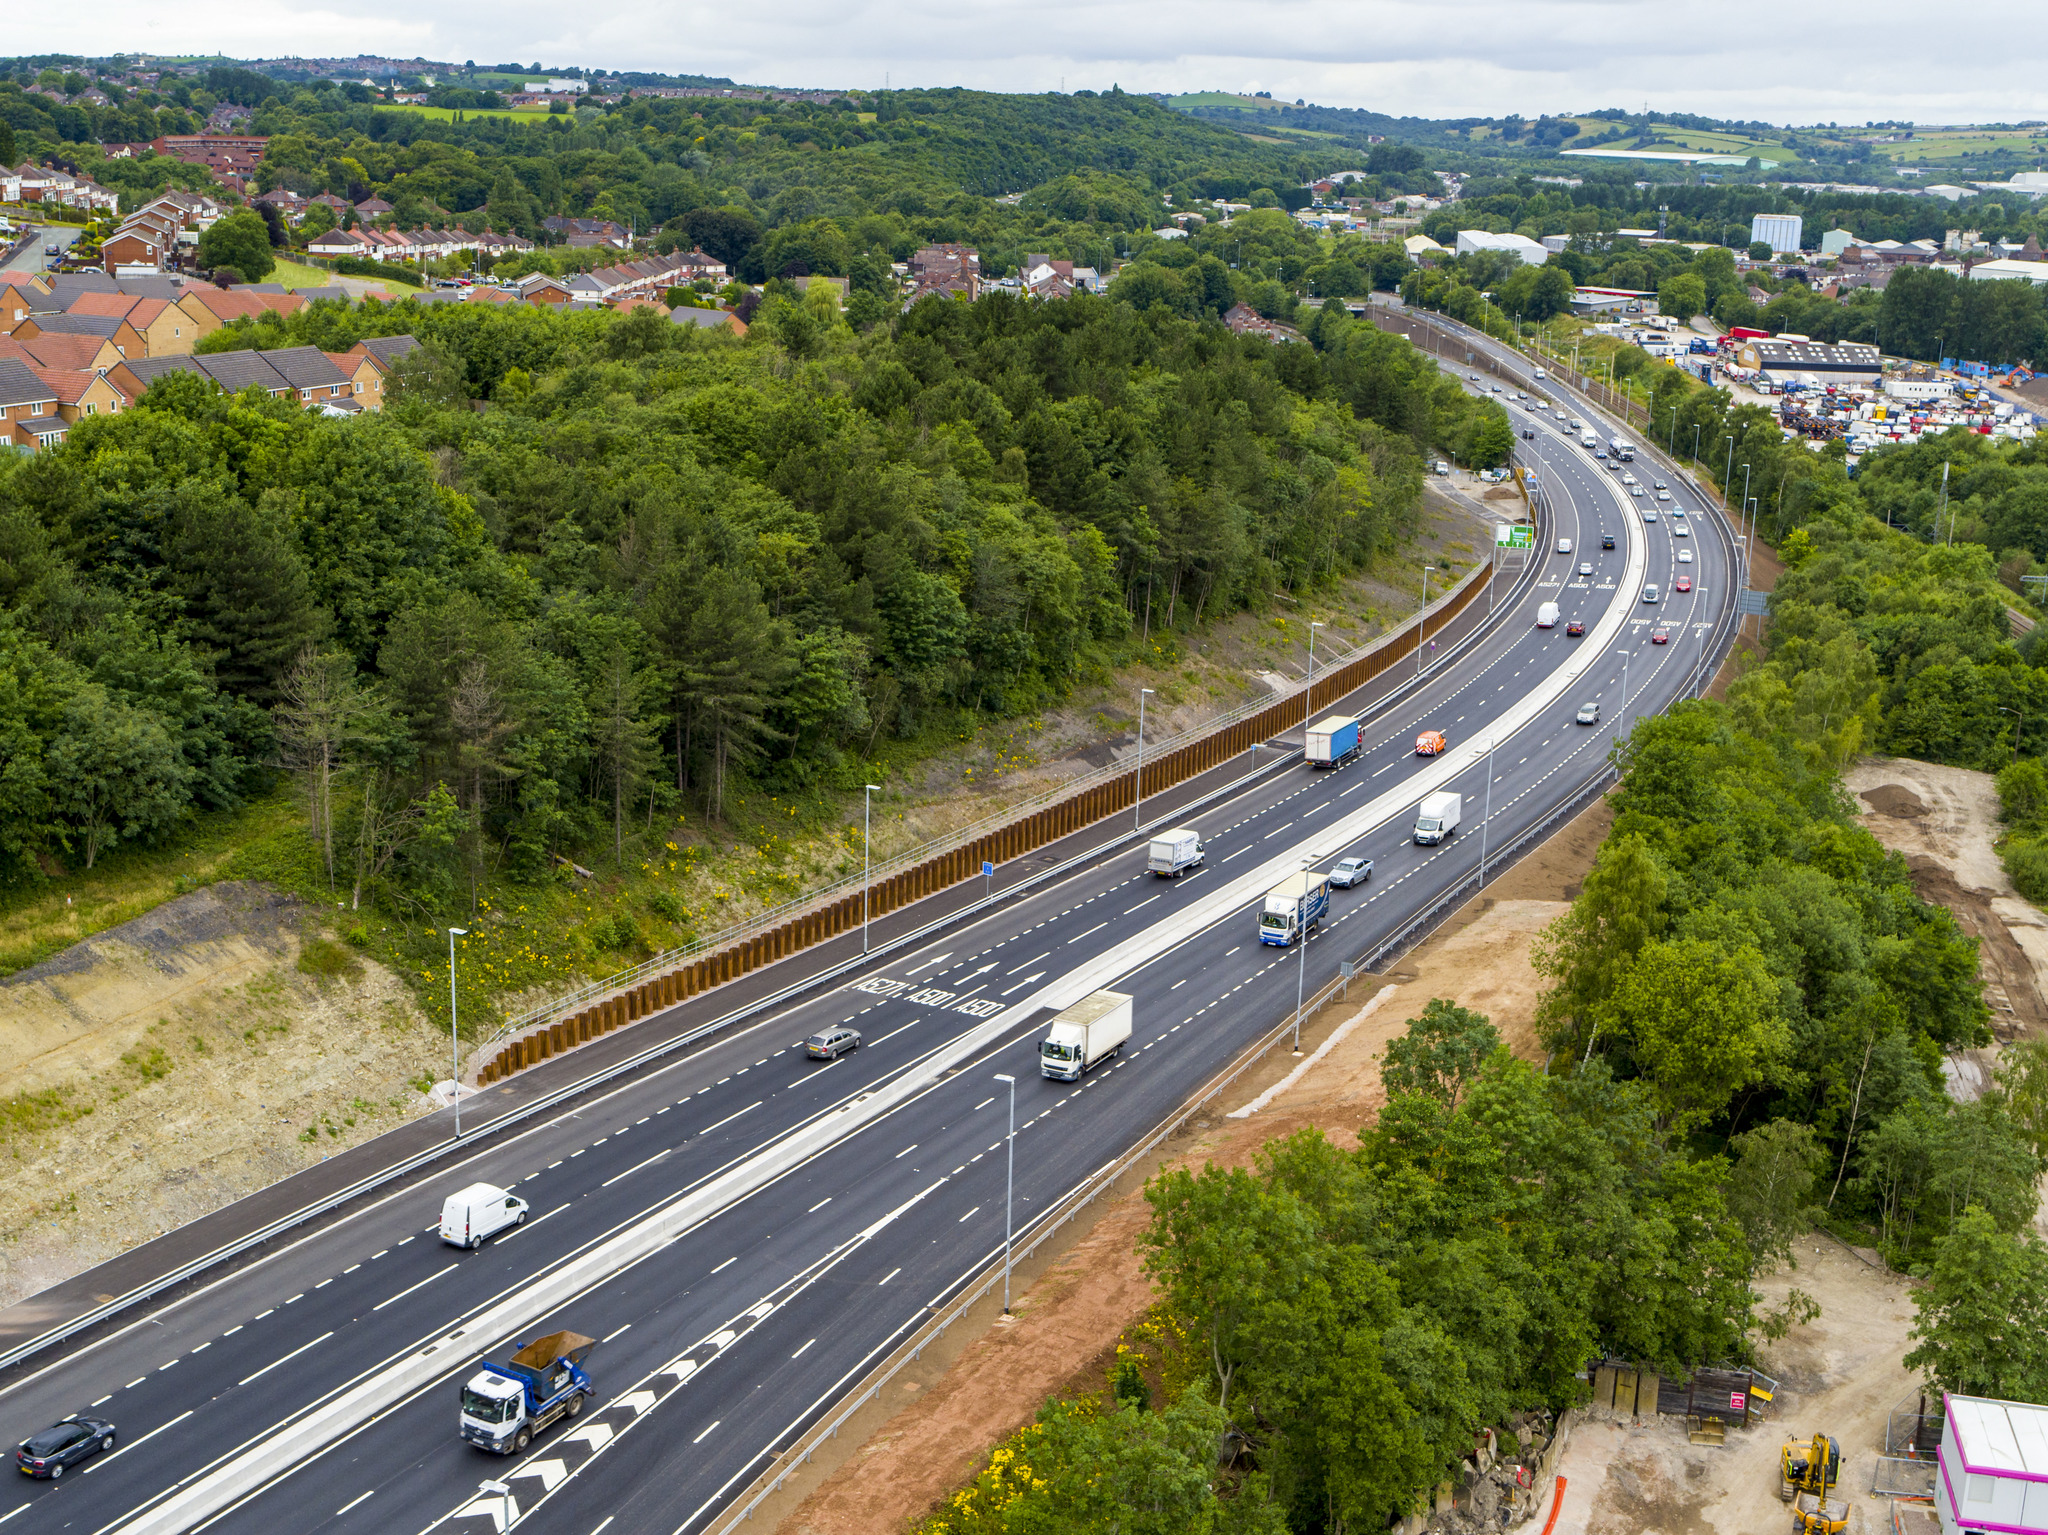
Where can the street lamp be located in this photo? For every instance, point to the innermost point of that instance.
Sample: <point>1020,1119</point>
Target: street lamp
<point>2021,715</point>
<point>1009,1185</point>
<point>1138,785</point>
<point>1745,490</point>
<point>1308,703</point>
<point>1728,474</point>
<point>454,1039</point>
<point>1420,615</point>
<point>503,1492</point>
<point>1486,817</point>
<point>867,853</point>
<point>1301,976</point>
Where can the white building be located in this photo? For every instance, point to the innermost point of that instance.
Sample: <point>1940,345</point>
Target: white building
<point>1835,241</point>
<point>1780,231</point>
<point>1530,252</point>
<point>2035,272</point>
<point>1993,1466</point>
<point>557,87</point>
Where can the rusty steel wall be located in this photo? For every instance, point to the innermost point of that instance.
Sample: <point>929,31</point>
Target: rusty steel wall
<point>948,868</point>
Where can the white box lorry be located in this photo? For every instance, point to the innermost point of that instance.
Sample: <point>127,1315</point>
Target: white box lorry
<point>1437,817</point>
<point>481,1210</point>
<point>1089,1032</point>
<point>1175,852</point>
<point>1294,907</point>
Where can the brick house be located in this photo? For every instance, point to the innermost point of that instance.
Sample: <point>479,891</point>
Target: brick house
<point>28,408</point>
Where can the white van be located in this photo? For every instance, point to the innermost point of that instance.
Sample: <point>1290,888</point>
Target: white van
<point>1546,616</point>
<point>479,1211</point>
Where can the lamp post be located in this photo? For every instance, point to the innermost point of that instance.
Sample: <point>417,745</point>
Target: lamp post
<point>1138,784</point>
<point>1728,474</point>
<point>1944,507</point>
<point>1745,489</point>
<point>1420,615</point>
<point>1696,446</point>
<point>1486,818</point>
<point>867,853</point>
<point>1009,1184</point>
<point>501,1491</point>
<point>1301,975</point>
<point>2021,715</point>
<point>1308,702</point>
<point>454,1038</point>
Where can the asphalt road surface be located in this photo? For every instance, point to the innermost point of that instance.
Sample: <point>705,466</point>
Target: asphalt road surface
<point>721,1345</point>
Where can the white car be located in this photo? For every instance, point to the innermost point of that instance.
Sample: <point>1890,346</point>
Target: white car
<point>1663,495</point>
<point>1685,556</point>
<point>1564,546</point>
<point>1585,567</point>
<point>1650,593</point>
<point>1679,529</point>
<point>1635,490</point>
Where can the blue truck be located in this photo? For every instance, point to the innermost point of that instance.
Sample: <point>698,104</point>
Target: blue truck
<point>505,1405</point>
<point>1294,907</point>
<point>1332,741</point>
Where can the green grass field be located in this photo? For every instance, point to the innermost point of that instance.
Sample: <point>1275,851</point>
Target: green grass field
<point>1225,99</point>
<point>447,114</point>
<point>1964,141</point>
<point>295,275</point>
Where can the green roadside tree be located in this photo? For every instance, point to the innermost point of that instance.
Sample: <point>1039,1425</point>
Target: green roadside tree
<point>117,772</point>
<point>1491,439</point>
<point>1585,952</point>
<point>1682,296</point>
<point>242,241</point>
<point>1441,1052</point>
<point>1760,250</point>
<point>1770,1188</point>
<point>1983,1314</point>
<point>1702,1022</point>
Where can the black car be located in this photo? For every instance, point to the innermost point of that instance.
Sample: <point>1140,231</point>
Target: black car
<point>63,1445</point>
<point>830,1044</point>
<point>1606,540</point>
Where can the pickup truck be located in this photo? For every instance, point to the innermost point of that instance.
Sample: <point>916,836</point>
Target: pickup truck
<point>505,1405</point>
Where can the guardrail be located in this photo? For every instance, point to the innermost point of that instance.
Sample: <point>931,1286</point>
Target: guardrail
<point>684,972</point>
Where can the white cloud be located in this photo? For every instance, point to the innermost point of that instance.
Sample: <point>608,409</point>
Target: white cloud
<point>1448,58</point>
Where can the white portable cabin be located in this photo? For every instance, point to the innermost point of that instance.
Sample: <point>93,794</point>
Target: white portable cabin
<point>1992,1473</point>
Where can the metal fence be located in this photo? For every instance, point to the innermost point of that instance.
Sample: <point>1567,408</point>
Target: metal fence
<point>1019,828</point>
<point>1894,1477</point>
<point>1912,1429</point>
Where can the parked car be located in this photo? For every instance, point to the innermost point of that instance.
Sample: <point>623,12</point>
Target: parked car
<point>1351,871</point>
<point>830,1044</point>
<point>63,1445</point>
<point>1589,714</point>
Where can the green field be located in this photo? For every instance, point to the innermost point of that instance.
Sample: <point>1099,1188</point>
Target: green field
<point>1225,99</point>
<point>1964,141</point>
<point>447,114</point>
<point>296,275</point>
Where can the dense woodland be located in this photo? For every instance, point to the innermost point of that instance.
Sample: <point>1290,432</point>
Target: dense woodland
<point>660,560</point>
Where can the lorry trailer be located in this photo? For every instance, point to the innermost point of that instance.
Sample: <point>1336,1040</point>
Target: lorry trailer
<point>1091,1031</point>
<point>1332,741</point>
<point>505,1405</point>
<point>1294,907</point>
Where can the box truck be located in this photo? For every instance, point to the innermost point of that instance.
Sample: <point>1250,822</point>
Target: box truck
<point>1332,741</point>
<point>1175,852</point>
<point>1294,907</point>
<point>1092,1030</point>
<point>481,1210</point>
<point>505,1405</point>
<point>1437,817</point>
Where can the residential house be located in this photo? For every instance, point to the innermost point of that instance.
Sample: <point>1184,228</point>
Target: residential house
<point>586,233</point>
<point>28,408</point>
<point>539,288</point>
<point>1243,320</point>
<point>384,350</point>
<point>81,393</point>
<point>17,302</point>
<point>34,182</point>
<point>373,208</point>
<point>164,327</point>
<point>124,338</point>
<point>945,269</point>
<point>342,242</point>
<point>221,305</point>
<point>147,239</point>
<point>83,354</point>
<point>365,380</point>
<point>709,319</point>
<point>315,378</point>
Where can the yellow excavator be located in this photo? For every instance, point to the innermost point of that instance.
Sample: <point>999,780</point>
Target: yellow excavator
<point>1808,1472</point>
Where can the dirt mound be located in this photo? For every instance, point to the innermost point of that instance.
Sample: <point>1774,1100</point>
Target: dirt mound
<point>182,1060</point>
<point>1893,800</point>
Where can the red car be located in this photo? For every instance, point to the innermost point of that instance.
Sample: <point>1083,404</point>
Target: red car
<point>1575,627</point>
<point>1660,635</point>
<point>1682,584</point>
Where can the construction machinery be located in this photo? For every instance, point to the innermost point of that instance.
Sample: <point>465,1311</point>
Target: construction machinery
<point>1807,1473</point>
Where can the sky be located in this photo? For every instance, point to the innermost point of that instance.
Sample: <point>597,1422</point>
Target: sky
<point>1882,59</point>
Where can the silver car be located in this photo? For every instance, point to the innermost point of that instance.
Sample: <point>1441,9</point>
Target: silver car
<point>1589,714</point>
<point>1585,567</point>
<point>1651,594</point>
<point>1351,871</point>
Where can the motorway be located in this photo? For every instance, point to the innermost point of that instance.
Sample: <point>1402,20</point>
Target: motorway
<point>721,1341</point>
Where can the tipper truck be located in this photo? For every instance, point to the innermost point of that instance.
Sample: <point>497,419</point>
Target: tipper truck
<point>1294,906</point>
<point>1332,741</point>
<point>1092,1030</point>
<point>1437,817</point>
<point>1175,852</point>
<point>505,1405</point>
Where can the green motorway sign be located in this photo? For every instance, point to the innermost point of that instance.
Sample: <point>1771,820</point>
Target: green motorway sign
<point>1509,536</point>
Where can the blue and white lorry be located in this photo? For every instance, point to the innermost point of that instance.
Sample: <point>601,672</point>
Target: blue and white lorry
<point>1294,907</point>
<point>505,1405</point>
<point>1332,741</point>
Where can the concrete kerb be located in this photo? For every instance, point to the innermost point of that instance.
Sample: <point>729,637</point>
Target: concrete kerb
<point>186,1271</point>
